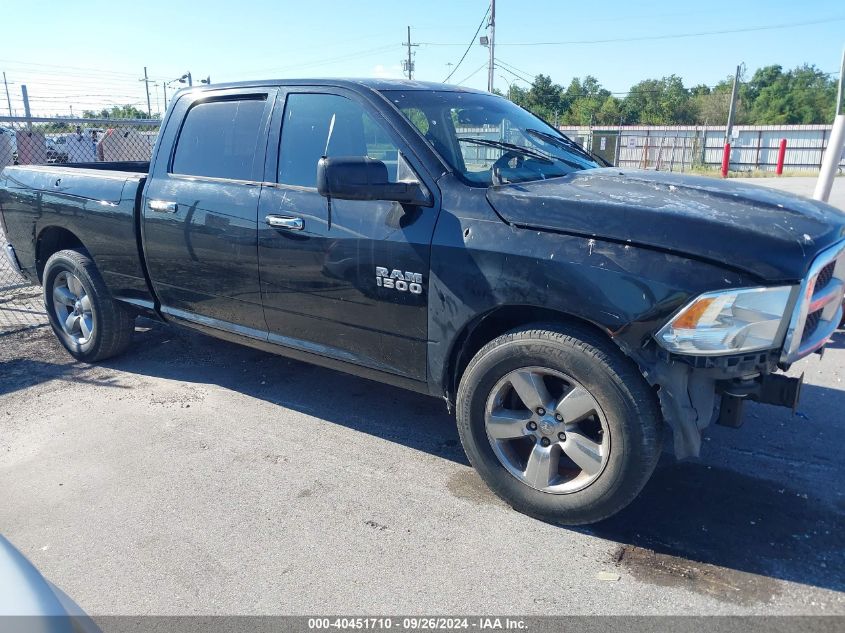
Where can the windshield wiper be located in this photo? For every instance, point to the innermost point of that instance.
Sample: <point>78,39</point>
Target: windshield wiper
<point>508,146</point>
<point>566,143</point>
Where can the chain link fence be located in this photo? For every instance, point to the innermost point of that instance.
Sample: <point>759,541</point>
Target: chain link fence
<point>65,140</point>
<point>59,141</point>
<point>21,305</point>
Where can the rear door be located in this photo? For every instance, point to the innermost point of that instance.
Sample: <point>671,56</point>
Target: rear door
<point>200,205</point>
<point>347,280</point>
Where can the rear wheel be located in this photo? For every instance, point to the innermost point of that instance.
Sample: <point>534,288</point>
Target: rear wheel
<point>87,321</point>
<point>559,423</point>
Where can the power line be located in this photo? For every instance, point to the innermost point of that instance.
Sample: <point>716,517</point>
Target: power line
<point>668,36</point>
<point>87,70</point>
<point>320,62</point>
<point>66,97</point>
<point>500,66</point>
<point>471,42</point>
<point>473,74</point>
<point>511,66</point>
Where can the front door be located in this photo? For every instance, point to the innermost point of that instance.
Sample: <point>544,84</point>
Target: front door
<point>349,279</point>
<point>200,209</point>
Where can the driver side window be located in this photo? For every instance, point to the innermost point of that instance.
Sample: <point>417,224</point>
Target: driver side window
<point>317,125</point>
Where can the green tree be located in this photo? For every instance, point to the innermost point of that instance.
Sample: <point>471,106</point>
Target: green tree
<point>117,112</point>
<point>711,105</point>
<point>659,102</point>
<point>543,97</point>
<point>582,101</point>
<point>802,95</point>
<point>771,96</point>
<point>610,112</point>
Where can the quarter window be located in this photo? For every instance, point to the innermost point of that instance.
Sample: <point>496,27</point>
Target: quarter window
<point>219,139</point>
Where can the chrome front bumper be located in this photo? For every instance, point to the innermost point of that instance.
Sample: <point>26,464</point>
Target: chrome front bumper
<point>818,311</point>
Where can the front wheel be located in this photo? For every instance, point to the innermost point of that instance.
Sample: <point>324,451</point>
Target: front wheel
<point>559,423</point>
<point>87,321</point>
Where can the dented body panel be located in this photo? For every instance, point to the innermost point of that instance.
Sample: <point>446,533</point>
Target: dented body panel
<point>766,233</point>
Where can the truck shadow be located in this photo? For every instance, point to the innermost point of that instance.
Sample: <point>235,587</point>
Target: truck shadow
<point>764,500</point>
<point>740,509</point>
<point>391,413</point>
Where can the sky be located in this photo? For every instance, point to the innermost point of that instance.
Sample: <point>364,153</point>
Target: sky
<point>91,53</point>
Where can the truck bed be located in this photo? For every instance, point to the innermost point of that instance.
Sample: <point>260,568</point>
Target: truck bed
<point>46,203</point>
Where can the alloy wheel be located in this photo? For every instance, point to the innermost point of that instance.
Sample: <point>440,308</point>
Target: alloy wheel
<point>547,430</point>
<point>72,306</point>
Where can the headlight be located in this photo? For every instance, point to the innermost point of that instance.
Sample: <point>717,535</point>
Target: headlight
<point>728,322</point>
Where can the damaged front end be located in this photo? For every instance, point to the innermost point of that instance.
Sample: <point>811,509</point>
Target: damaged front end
<point>689,389</point>
<point>729,344</point>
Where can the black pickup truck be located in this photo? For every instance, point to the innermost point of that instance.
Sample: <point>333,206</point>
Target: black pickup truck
<point>446,241</point>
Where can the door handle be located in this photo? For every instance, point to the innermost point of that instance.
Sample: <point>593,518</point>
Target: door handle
<point>283,222</point>
<point>163,206</point>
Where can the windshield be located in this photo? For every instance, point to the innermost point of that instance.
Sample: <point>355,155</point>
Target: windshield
<point>488,140</point>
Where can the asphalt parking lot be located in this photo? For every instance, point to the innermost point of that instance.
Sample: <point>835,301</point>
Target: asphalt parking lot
<point>193,476</point>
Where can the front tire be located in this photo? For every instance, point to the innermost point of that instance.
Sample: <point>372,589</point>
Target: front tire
<point>559,423</point>
<point>87,321</point>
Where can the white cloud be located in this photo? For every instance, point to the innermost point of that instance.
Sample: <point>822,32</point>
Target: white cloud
<point>386,72</point>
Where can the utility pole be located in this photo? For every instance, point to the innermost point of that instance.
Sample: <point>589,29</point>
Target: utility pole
<point>835,145</point>
<point>491,26</point>
<point>732,109</point>
<point>164,92</point>
<point>408,65</point>
<point>8,99</point>
<point>146,81</point>
<point>26,110</point>
<point>726,154</point>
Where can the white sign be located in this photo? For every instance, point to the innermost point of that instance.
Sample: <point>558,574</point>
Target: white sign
<point>632,142</point>
<point>603,143</point>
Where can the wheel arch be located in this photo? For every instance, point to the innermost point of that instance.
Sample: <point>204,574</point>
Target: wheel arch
<point>51,240</point>
<point>486,327</point>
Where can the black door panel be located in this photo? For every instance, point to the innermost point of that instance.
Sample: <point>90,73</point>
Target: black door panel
<point>201,204</point>
<point>320,284</point>
<point>202,256</point>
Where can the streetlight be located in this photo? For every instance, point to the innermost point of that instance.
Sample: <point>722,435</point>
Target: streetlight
<point>166,84</point>
<point>510,85</point>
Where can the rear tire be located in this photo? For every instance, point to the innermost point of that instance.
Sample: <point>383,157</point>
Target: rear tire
<point>90,324</point>
<point>559,423</point>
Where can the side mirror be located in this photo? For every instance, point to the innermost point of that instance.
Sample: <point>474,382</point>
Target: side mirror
<point>363,178</point>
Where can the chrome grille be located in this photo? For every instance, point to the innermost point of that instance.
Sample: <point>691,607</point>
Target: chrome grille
<point>825,276</point>
<point>819,308</point>
<point>812,324</point>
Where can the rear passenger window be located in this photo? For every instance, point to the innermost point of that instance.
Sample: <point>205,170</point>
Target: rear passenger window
<point>219,139</point>
<point>317,125</point>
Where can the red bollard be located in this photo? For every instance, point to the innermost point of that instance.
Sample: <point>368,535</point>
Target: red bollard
<point>726,160</point>
<point>781,156</point>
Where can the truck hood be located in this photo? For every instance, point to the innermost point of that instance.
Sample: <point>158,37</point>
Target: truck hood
<point>770,234</point>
